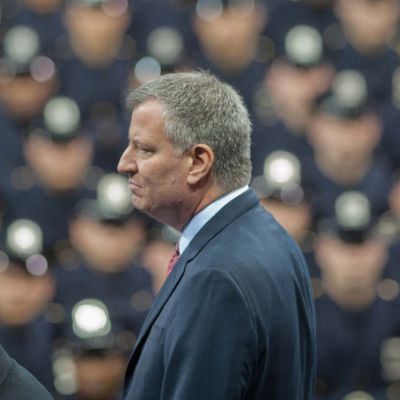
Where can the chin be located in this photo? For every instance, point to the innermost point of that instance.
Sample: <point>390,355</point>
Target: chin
<point>140,205</point>
<point>135,201</point>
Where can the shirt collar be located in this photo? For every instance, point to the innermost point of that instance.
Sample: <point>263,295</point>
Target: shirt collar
<point>202,217</point>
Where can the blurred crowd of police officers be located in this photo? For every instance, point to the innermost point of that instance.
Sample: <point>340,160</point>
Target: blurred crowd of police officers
<point>79,268</point>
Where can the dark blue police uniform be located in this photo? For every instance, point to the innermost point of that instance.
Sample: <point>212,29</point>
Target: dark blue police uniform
<point>349,346</point>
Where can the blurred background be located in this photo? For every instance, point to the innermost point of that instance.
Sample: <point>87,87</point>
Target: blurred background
<point>79,268</point>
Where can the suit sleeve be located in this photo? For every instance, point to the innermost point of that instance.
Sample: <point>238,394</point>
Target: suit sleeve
<point>211,342</point>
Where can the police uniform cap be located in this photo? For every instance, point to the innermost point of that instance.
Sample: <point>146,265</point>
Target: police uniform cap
<point>24,246</point>
<point>24,238</point>
<point>112,202</point>
<point>281,179</point>
<point>90,318</point>
<point>89,3</point>
<point>113,195</point>
<point>358,395</point>
<point>95,330</point>
<point>350,88</point>
<point>352,210</point>
<point>348,97</point>
<point>61,118</point>
<point>165,44</point>
<point>353,219</point>
<point>110,7</point>
<point>21,45</point>
<point>210,10</point>
<point>303,46</point>
<point>390,359</point>
<point>281,167</point>
<point>147,69</point>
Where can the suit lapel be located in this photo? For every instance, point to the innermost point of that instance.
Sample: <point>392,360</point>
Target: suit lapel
<point>5,365</point>
<point>227,214</point>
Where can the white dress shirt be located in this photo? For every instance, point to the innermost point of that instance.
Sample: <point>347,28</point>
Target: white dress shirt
<point>202,217</point>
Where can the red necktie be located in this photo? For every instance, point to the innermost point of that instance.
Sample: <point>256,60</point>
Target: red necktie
<point>173,260</point>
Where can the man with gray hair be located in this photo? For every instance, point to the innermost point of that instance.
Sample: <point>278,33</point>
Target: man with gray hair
<point>235,317</point>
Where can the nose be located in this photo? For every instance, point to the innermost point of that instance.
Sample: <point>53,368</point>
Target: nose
<point>127,162</point>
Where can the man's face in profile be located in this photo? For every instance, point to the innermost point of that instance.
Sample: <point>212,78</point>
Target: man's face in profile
<point>157,173</point>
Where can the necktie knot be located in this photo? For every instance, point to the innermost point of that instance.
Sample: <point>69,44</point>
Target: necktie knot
<point>173,260</point>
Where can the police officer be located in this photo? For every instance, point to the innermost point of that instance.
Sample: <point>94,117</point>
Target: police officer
<point>27,79</point>
<point>281,193</point>
<point>28,75</point>
<point>294,80</point>
<point>228,34</point>
<point>58,154</point>
<point>107,237</point>
<point>344,132</point>
<point>27,287</point>
<point>92,355</point>
<point>318,14</point>
<point>44,17</point>
<point>98,55</point>
<point>357,308</point>
<point>368,27</point>
<point>163,35</point>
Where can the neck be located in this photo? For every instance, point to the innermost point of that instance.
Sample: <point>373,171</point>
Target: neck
<point>206,200</point>
<point>363,47</point>
<point>197,202</point>
<point>235,62</point>
<point>346,172</point>
<point>294,116</point>
<point>352,300</point>
<point>95,58</point>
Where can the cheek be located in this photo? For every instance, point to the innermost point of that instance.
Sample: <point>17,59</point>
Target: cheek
<point>161,176</point>
<point>325,140</point>
<point>375,258</point>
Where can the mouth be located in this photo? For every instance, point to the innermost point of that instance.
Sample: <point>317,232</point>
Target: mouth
<point>133,186</point>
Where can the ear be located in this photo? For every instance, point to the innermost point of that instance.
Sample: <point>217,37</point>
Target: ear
<point>324,249</point>
<point>49,286</point>
<point>338,9</point>
<point>312,131</point>
<point>69,17</point>
<point>85,146</point>
<point>202,161</point>
<point>373,127</point>
<point>33,145</point>
<point>76,235</point>
<point>127,19</point>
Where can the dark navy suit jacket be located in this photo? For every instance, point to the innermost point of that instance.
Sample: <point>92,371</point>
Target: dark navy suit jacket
<point>234,319</point>
<point>16,383</point>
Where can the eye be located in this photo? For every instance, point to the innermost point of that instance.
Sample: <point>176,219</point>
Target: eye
<point>142,149</point>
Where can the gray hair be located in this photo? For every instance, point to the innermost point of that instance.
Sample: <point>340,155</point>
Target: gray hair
<point>202,109</point>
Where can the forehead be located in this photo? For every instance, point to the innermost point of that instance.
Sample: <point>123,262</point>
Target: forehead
<point>148,117</point>
<point>15,272</point>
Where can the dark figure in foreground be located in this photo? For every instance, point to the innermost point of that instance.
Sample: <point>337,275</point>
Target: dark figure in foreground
<point>235,317</point>
<point>16,383</point>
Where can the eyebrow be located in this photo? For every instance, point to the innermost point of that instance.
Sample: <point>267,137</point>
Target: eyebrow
<point>136,141</point>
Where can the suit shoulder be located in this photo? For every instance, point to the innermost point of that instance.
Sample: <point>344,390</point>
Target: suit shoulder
<point>256,235</point>
<point>19,384</point>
